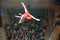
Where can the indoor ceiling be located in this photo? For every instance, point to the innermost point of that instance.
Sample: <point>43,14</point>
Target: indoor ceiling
<point>32,3</point>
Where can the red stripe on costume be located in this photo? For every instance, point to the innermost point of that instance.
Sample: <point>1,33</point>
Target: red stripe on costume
<point>27,15</point>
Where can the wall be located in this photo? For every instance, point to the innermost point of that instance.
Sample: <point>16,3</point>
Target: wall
<point>32,3</point>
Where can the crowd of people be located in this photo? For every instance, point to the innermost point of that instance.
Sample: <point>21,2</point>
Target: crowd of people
<point>29,30</point>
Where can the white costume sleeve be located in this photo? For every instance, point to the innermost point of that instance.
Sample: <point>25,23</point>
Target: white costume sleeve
<point>17,16</point>
<point>20,14</point>
<point>22,18</point>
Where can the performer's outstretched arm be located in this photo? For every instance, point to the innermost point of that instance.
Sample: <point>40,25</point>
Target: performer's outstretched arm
<point>24,7</point>
<point>35,18</point>
<point>17,16</point>
<point>20,21</point>
<point>20,14</point>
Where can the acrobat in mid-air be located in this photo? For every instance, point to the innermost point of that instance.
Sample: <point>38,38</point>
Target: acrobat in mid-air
<point>26,15</point>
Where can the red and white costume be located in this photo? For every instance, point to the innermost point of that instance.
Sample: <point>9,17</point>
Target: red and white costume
<point>26,15</point>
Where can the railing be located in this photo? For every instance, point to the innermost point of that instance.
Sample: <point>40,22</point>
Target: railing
<point>52,34</point>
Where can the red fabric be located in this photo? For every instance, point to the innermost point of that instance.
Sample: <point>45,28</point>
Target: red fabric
<point>27,15</point>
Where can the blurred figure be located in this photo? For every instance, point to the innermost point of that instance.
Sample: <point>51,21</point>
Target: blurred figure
<point>26,15</point>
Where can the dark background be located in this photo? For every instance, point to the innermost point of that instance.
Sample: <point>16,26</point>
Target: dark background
<point>57,2</point>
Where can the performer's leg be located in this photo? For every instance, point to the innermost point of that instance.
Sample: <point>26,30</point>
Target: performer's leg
<point>35,18</point>
<point>24,7</point>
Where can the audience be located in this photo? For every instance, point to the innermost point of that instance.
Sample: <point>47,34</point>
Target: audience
<point>29,30</point>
